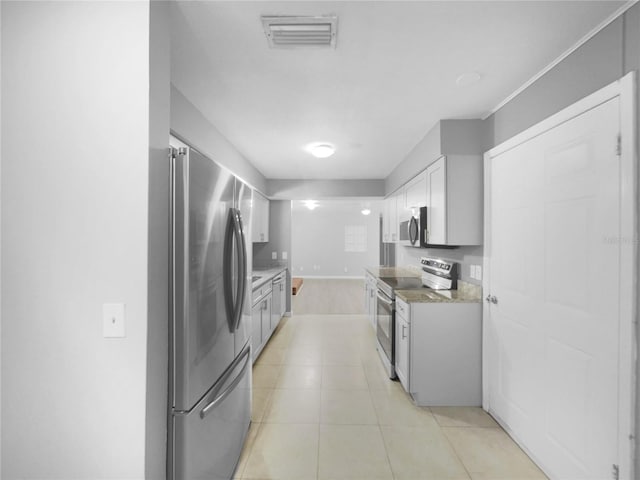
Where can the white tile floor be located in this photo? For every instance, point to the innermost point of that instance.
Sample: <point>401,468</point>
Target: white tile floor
<point>323,409</point>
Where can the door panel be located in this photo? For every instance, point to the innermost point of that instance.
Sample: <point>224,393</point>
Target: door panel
<point>208,442</point>
<point>553,335</point>
<point>204,345</point>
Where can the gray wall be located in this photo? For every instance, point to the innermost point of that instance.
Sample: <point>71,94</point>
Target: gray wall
<point>319,240</point>
<point>75,222</point>
<point>158,254</point>
<point>447,137</point>
<point>303,189</point>
<point>595,64</point>
<point>188,124</point>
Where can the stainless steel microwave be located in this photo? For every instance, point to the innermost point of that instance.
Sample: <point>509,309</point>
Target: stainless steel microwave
<point>410,232</point>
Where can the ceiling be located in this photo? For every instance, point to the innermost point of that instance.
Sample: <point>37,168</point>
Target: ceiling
<point>391,77</point>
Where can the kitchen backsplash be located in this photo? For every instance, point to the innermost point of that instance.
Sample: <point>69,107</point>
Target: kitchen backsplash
<point>467,257</point>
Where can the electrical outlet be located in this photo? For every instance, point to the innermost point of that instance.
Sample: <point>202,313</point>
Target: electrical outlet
<point>274,255</point>
<point>113,320</point>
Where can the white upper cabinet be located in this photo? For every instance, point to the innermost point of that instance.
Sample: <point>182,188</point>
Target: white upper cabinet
<point>415,193</point>
<point>390,219</point>
<point>436,196</point>
<point>454,201</point>
<point>260,218</point>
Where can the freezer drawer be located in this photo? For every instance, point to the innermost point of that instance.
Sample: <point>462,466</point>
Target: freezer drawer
<point>208,440</point>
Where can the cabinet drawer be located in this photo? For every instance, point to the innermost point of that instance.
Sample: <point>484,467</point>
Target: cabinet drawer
<point>402,308</point>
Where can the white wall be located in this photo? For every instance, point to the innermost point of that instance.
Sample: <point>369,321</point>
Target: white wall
<point>318,239</point>
<point>75,175</point>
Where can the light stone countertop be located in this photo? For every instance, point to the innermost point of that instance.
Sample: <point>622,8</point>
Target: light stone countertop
<point>266,275</point>
<point>466,293</point>
<point>393,272</point>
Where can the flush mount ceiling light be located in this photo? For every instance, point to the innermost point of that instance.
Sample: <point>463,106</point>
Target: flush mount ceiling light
<point>311,204</point>
<point>321,150</point>
<point>366,211</point>
<point>295,32</point>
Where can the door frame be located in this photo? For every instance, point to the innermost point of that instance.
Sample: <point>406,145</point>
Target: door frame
<point>625,88</point>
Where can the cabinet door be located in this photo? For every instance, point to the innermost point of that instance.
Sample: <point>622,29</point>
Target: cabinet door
<point>283,298</point>
<point>386,222</point>
<point>437,202</point>
<point>260,217</point>
<point>256,330</point>
<point>393,218</point>
<point>275,305</point>
<point>265,306</point>
<point>402,351</point>
<point>416,192</point>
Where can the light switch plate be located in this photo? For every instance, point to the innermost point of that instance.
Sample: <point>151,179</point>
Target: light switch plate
<point>478,272</point>
<point>472,271</point>
<point>284,255</point>
<point>274,255</point>
<point>113,320</point>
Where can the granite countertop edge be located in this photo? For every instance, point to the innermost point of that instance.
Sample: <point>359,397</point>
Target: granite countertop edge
<point>466,292</point>
<point>266,275</point>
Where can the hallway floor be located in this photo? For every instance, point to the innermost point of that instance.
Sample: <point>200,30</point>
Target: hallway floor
<point>324,409</point>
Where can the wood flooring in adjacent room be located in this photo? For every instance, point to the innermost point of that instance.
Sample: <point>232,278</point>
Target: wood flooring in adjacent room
<point>329,296</point>
<point>324,409</point>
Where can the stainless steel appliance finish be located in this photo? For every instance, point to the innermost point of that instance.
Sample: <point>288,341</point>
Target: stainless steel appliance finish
<point>439,274</point>
<point>410,232</point>
<point>387,250</point>
<point>385,317</point>
<point>210,361</point>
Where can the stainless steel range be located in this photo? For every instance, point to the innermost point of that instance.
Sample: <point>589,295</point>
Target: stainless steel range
<point>437,274</point>
<point>385,317</point>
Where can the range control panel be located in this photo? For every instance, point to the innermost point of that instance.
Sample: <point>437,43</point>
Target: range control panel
<point>439,274</point>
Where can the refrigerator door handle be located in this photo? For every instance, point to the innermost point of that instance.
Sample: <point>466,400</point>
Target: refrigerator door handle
<point>242,264</point>
<point>227,270</point>
<point>220,397</point>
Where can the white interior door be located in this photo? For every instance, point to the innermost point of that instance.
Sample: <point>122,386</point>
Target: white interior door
<point>552,338</point>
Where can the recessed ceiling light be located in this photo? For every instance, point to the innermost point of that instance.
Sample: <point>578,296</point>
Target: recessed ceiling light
<point>468,78</point>
<point>366,211</point>
<point>321,150</point>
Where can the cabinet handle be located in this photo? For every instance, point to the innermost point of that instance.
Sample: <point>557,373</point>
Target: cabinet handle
<point>403,329</point>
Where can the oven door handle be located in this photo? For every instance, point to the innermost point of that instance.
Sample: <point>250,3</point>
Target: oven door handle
<point>383,299</point>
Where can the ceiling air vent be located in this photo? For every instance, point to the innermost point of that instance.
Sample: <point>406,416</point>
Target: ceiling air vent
<point>295,32</point>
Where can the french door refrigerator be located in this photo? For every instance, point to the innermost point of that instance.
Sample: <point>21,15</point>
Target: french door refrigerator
<point>210,360</point>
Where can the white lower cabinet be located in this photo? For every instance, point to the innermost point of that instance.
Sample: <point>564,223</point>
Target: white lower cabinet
<point>439,352</point>
<point>260,320</point>
<point>269,306</point>
<point>403,332</point>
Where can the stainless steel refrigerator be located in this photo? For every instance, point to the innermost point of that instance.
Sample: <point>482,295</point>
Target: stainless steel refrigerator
<point>210,360</point>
